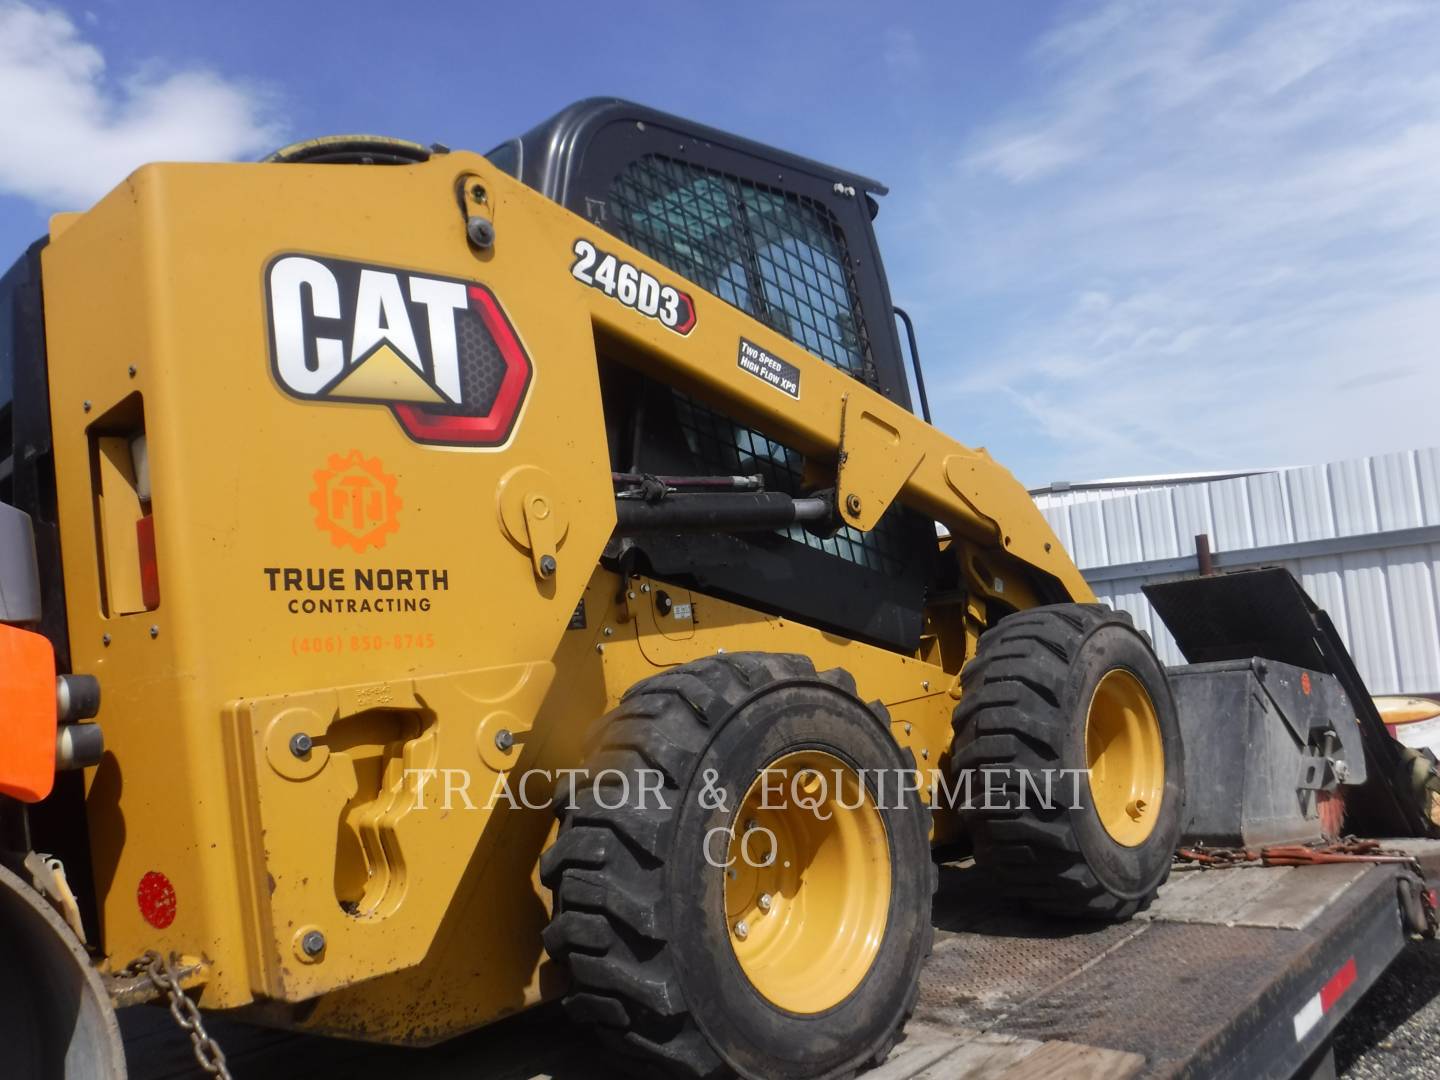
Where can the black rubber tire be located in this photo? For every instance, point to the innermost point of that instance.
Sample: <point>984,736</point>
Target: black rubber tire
<point>1024,699</point>
<point>639,918</point>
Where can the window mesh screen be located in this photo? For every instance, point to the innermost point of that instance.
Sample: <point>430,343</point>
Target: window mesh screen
<point>781,258</point>
<point>773,254</point>
<point>729,448</point>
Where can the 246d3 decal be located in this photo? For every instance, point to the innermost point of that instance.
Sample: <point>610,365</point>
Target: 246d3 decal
<point>439,352</point>
<point>633,287</point>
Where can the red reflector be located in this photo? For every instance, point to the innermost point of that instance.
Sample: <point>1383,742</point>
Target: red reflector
<point>149,568</point>
<point>1341,981</point>
<point>156,897</point>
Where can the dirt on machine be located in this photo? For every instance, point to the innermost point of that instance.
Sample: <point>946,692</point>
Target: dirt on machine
<point>434,584</point>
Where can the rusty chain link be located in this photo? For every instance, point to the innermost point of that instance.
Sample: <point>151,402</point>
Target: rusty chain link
<point>163,976</point>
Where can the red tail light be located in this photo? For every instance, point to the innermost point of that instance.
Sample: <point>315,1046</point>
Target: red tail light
<point>149,568</point>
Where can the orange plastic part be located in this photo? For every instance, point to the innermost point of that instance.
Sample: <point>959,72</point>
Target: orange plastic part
<point>149,567</point>
<point>27,714</point>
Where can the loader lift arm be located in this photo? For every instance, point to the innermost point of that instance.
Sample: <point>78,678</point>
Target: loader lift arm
<point>645,176</point>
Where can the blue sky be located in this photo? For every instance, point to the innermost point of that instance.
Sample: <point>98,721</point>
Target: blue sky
<point>1137,237</point>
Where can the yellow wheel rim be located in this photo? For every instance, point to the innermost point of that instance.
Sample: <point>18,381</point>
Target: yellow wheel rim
<point>807,888</point>
<point>1125,756</point>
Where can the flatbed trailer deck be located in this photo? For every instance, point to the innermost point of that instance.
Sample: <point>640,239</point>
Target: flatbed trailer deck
<point>1240,972</point>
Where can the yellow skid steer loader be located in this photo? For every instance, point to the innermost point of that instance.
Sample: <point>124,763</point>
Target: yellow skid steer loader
<point>435,584</point>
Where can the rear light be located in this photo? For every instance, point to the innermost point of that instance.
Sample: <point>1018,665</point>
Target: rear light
<point>145,527</point>
<point>129,558</point>
<point>149,568</point>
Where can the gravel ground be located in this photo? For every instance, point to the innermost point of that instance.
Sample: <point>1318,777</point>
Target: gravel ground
<point>1394,1033</point>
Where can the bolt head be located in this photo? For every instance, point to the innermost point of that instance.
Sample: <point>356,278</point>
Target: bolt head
<point>852,504</point>
<point>765,902</point>
<point>154,630</point>
<point>477,193</point>
<point>301,744</point>
<point>608,631</point>
<point>742,930</point>
<point>86,405</point>
<point>547,565</point>
<point>104,639</point>
<point>481,232</point>
<point>131,370</point>
<point>645,587</point>
<point>313,943</point>
<point>504,740</point>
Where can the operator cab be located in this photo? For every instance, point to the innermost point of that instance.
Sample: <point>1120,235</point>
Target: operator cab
<point>788,241</point>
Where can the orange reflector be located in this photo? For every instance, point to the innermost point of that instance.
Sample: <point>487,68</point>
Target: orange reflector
<point>149,568</point>
<point>27,714</point>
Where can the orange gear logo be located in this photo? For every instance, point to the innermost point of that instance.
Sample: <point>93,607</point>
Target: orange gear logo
<point>355,501</point>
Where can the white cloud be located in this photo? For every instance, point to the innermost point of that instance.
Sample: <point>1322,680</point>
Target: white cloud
<point>1028,156</point>
<point>1211,240</point>
<point>71,132</point>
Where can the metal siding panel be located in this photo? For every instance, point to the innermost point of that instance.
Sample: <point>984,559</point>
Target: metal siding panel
<point>1310,512</point>
<point>1414,628</point>
<point>1397,491</point>
<point>1427,468</point>
<point>1192,516</point>
<point>1122,530</point>
<point>1368,616</point>
<point>1353,492</point>
<point>1155,510</point>
<point>1088,540</point>
<point>1268,510</point>
<point>1233,530</point>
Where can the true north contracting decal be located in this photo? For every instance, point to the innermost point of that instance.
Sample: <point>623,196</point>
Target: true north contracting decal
<point>439,352</point>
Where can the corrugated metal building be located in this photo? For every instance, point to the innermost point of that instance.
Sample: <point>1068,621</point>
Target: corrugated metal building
<point>1363,536</point>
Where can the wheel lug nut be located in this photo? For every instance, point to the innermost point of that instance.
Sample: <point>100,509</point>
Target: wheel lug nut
<point>742,930</point>
<point>765,901</point>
